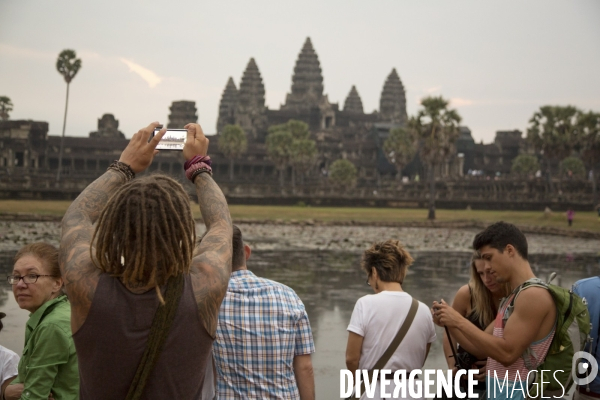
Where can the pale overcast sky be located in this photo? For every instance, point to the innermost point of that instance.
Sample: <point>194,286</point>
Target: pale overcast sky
<point>497,60</point>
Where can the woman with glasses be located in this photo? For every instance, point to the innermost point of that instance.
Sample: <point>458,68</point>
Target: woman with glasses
<point>48,366</point>
<point>377,318</point>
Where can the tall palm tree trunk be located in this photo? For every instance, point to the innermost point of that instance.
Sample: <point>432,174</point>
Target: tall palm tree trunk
<point>594,188</point>
<point>431,214</point>
<point>62,139</point>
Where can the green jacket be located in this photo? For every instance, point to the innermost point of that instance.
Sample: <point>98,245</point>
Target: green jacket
<point>49,361</point>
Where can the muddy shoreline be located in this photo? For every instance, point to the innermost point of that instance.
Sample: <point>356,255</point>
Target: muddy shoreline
<point>346,236</point>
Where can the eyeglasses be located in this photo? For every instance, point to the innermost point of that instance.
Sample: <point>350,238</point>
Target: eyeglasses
<point>30,278</point>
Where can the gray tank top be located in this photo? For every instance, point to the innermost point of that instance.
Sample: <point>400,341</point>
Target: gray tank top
<point>113,338</point>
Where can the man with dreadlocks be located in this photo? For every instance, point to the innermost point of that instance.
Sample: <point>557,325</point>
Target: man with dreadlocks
<point>144,301</point>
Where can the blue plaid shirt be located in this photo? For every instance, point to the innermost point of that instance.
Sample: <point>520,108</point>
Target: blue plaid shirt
<point>262,326</point>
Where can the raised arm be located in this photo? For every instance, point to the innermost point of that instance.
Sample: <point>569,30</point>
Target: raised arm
<point>79,274</point>
<point>211,267</point>
<point>532,318</point>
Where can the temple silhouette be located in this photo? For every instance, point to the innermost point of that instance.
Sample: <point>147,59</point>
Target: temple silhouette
<point>29,156</point>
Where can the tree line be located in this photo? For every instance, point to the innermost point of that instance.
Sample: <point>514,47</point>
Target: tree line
<point>558,137</point>
<point>562,137</point>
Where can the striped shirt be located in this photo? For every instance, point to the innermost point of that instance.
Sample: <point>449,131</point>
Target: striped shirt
<point>536,354</point>
<point>262,326</point>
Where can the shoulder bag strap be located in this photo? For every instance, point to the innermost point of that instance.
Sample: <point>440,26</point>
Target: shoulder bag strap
<point>399,336</point>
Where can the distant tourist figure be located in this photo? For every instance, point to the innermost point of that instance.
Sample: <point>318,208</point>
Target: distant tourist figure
<point>570,215</point>
<point>48,367</point>
<point>524,331</point>
<point>478,302</point>
<point>9,361</point>
<point>377,318</point>
<point>598,211</point>
<point>589,289</point>
<point>264,340</point>
<point>144,298</point>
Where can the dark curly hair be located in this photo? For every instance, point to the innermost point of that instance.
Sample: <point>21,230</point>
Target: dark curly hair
<point>499,235</point>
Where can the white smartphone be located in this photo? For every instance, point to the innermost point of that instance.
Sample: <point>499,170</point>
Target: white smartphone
<point>174,139</point>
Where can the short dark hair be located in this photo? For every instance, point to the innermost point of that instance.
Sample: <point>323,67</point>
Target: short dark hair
<point>238,257</point>
<point>389,258</point>
<point>499,235</point>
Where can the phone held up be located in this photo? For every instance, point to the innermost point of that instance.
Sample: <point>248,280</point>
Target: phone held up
<point>174,139</point>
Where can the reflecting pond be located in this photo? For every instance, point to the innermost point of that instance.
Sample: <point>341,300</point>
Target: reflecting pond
<point>329,283</point>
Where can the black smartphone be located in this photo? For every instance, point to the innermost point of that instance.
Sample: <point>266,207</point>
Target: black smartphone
<point>174,139</point>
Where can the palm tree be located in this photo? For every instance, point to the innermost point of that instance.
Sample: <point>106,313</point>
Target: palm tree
<point>289,144</point>
<point>279,144</point>
<point>232,143</point>
<point>67,65</point>
<point>436,128</point>
<point>6,106</point>
<point>553,133</point>
<point>589,134</point>
<point>303,154</point>
<point>400,149</point>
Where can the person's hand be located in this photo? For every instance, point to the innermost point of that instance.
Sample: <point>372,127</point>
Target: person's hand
<point>13,392</point>
<point>140,152</point>
<point>195,143</point>
<point>445,315</point>
<point>482,365</point>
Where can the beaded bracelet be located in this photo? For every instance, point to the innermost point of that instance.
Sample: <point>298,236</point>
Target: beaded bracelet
<point>122,168</point>
<point>197,166</point>
<point>198,172</point>
<point>197,159</point>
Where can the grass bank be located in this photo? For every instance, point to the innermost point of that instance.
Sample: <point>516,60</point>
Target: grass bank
<point>583,220</point>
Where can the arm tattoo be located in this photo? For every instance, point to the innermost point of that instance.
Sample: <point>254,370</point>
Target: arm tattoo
<point>211,269</point>
<point>78,271</point>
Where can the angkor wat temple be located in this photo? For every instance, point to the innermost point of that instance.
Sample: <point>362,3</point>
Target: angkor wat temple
<point>29,156</point>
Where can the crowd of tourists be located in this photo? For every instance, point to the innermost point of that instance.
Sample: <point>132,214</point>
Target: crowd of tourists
<point>133,305</point>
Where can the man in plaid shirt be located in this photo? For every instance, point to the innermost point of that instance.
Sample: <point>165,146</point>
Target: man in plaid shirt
<point>264,342</point>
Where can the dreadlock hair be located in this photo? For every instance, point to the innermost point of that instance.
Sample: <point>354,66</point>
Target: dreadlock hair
<point>146,233</point>
<point>484,308</point>
<point>389,258</point>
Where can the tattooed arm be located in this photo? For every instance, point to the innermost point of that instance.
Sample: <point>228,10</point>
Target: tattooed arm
<point>211,268</point>
<point>78,271</point>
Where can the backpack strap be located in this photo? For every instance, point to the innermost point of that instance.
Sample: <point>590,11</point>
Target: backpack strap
<point>528,283</point>
<point>533,282</point>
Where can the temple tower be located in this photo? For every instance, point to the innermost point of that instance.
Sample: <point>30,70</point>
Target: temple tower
<point>392,106</point>
<point>228,105</point>
<point>108,127</point>
<point>307,81</point>
<point>182,113</point>
<point>251,110</point>
<point>353,102</point>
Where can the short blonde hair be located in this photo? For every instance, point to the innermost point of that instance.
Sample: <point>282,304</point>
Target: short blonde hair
<point>389,258</point>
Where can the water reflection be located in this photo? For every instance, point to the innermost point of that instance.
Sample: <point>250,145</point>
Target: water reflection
<point>329,283</point>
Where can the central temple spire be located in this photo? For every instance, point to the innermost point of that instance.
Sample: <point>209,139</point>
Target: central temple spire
<point>307,81</point>
<point>392,105</point>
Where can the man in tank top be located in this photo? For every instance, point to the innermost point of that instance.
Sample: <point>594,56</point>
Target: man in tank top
<point>531,325</point>
<point>130,262</point>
